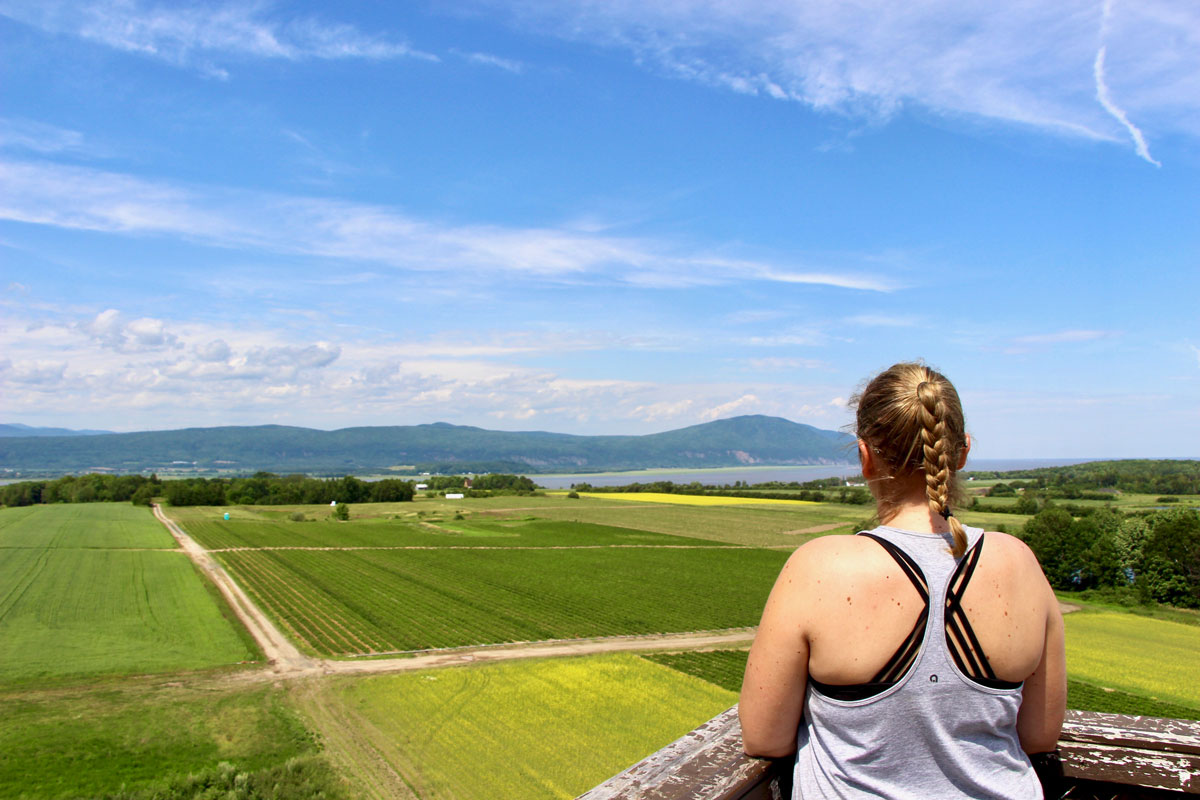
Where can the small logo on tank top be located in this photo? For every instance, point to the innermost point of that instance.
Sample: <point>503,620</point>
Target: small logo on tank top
<point>933,678</point>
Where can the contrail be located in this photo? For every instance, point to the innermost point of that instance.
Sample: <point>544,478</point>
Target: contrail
<point>1139,141</point>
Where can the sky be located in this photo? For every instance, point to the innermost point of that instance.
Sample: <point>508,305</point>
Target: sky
<point>602,217</point>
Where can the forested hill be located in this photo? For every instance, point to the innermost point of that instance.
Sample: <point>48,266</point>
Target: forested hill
<point>437,447</point>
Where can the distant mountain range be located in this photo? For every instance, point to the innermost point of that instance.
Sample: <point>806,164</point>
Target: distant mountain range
<point>439,447</point>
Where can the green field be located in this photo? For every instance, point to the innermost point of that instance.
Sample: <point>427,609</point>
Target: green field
<point>528,729</point>
<point>1149,657</point>
<point>143,740</point>
<point>213,532</point>
<point>97,608</point>
<point>82,525</point>
<point>374,601</point>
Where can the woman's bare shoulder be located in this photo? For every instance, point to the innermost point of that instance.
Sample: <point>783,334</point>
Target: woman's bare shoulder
<point>1013,555</point>
<point>834,555</point>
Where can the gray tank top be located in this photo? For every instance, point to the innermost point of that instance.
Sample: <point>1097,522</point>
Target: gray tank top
<point>933,731</point>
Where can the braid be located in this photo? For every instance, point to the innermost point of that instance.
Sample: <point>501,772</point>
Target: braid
<point>936,443</point>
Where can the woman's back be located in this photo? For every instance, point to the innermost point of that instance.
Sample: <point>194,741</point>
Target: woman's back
<point>929,657</point>
<point>862,606</point>
<point>929,717</point>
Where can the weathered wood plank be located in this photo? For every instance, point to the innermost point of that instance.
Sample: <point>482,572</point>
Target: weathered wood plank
<point>708,763</point>
<point>1147,733</point>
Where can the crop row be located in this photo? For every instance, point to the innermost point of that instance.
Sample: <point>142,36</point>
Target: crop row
<point>215,533</point>
<point>381,600</point>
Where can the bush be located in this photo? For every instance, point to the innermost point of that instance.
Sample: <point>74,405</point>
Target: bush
<point>297,516</point>
<point>341,511</point>
<point>574,495</point>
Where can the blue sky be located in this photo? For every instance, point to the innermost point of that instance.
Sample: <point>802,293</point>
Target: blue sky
<point>618,217</point>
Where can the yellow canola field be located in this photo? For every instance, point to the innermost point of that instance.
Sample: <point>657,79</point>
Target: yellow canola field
<point>1146,656</point>
<point>695,500</point>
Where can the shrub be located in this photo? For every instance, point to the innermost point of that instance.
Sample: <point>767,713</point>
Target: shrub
<point>341,511</point>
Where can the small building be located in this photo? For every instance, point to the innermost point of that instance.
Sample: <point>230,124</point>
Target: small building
<point>454,495</point>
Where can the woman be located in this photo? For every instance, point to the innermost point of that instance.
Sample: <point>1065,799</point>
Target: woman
<point>922,659</point>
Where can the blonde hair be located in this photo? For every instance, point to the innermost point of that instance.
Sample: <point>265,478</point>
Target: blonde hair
<point>911,418</point>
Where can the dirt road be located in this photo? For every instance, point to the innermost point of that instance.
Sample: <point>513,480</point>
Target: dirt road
<point>282,655</point>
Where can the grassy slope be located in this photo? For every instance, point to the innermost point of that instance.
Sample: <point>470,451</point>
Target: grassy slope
<point>529,729</point>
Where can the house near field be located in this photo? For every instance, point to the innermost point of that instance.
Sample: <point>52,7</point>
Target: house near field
<point>422,486</point>
<point>454,495</point>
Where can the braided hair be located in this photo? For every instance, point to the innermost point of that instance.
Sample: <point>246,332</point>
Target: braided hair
<point>911,417</point>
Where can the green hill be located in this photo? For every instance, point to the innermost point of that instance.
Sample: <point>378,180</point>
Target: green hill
<point>437,447</point>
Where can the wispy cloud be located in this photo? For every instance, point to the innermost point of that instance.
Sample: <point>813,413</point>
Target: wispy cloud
<point>882,321</point>
<point>80,198</point>
<point>1105,96</point>
<point>1027,62</point>
<point>1062,337</point>
<point>489,60</point>
<point>188,34</point>
<point>38,137</point>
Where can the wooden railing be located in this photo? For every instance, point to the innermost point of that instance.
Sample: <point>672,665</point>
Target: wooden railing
<point>1101,755</point>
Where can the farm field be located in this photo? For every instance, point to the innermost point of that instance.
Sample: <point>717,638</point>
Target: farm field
<point>537,729</point>
<point>212,532</point>
<point>1150,657</point>
<point>147,737</point>
<point>99,608</point>
<point>694,499</point>
<point>377,601</point>
<point>82,525</point>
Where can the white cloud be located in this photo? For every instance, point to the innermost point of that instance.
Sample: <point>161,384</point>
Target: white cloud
<point>1028,61</point>
<point>187,34</point>
<point>741,405</point>
<point>81,198</point>
<point>240,374</point>
<point>109,328</point>
<point>216,350</point>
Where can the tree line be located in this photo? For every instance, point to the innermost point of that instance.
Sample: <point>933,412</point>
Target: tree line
<point>1143,557</point>
<point>262,488</point>
<point>824,490</point>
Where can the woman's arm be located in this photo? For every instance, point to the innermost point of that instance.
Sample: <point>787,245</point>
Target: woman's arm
<point>772,696</point>
<point>1044,698</point>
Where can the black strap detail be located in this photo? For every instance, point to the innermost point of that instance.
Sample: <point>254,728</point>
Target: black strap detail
<point>906,655</point>
<point>850,692</point>
<point>961,640</point>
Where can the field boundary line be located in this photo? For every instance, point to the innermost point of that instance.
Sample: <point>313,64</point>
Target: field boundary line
<point>460,656</point>
<point>242,548</point>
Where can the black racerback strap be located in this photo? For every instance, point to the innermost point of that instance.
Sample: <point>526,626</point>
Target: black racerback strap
<point>961,641</point>
<point>905,655</point>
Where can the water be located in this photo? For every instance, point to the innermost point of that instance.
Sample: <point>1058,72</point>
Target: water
<point>718,477</point>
